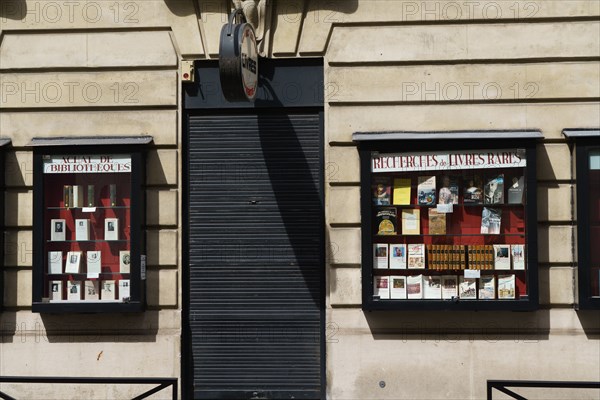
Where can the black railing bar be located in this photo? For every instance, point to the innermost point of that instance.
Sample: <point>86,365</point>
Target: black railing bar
<point>4,396</point>
<point>509,393</point>
<point>89,380</point>
<point>150,392</point>
<point>547,384</point>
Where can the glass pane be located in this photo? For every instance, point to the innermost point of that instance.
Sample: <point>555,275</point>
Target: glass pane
<point>594,213</point>
<point>87,201</point>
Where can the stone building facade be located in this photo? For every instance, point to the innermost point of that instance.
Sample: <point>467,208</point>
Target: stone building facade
<point>99,68</point>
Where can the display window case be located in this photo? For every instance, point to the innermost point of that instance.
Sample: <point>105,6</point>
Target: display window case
<point>89,248</point>
<point>3,143</point>
<point>587,170</point>
<point>449,224</point>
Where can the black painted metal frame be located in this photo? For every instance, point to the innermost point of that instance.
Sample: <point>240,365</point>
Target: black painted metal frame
<point>583,148</point>
<point>501,386</point>
<point>163,383</point>
<point>137,218</point>
<point>2,212</point>
<point>305,92</point>
<point>368,304</point>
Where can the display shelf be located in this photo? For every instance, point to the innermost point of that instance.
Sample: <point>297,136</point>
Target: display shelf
<point>448,238</point>
<point>88,260</point>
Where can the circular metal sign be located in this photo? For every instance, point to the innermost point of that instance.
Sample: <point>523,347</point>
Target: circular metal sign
<point>238,61</point>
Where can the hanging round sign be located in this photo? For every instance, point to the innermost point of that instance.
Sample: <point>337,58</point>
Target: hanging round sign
<point>238,61</point>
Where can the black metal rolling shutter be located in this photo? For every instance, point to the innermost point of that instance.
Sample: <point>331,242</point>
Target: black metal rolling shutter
<point>256,255</point>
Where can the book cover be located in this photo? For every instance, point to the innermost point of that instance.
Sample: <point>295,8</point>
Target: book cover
<point>91,197</point>
<point>437,222</point>
<point>380,254</point>
<point>55,290</point>
<point>490,221</point>
<point>124,292</point>
<point>124,261</point>
<point>448,193</point>
<point>494,190</point>
<point>487,287</point>
<point>113,194</point>
<point>91,290</point>
<point>426,191</point>
<point>82,229</point>
<point>398,287</point>
<point>411,221</point>
<point>518,256</point>
<point>467,288</point>
<point>111,229</point>
<point>501,256</point>
<point>77,196</point>
<point>387,221</point>
<point>416,256</point>
<point>473,189</point>
<point>433,287</point>
<point>398,256</point>
<point>67,196</point>
<point>108,290</point>
<point>73,262</point>
<point>414,287</point>
<point>449,287</point>
<point>381,287</point>
<point>382,191</point>
<point>94,263</point>
<point>401,191</point>
<point>55,260</point>
<point>516,190</point>
<point>58,230</point>
<point>506,286</point>
<point>73,290</point>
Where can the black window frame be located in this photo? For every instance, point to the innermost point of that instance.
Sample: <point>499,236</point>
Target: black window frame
<point>3,144</point>
<point>89,146</point>
<point>399,142</point>
<point>584,141</point>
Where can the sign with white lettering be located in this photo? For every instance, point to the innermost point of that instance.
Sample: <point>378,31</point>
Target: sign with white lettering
<point>448,160</point>
<point>87,164</point>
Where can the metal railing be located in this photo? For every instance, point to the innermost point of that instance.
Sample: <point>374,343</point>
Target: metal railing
<point>162,383</point>
<point>501,386</point>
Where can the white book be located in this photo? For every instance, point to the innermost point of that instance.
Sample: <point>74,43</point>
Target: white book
<point>94,263</point>
<point>518,256</point>
<point>433,287</point>
<point>449,287</point>
<point>124,292</point>
<point>108,290</point>
<point>111,229</point>
<point>487,287</point>
<point>506,286</point>
<point>91,290</point>
<point>414,287</point>
<point>381,287</point>
<point>380,255</point>
<point>55,260</point>
<point>82,229</point>
<point>501,256</point>
<point>77,196</point>
<point>73,290</point>
<point>416,256</point>
<point>398,287</point>
<point>124,261</point>
<point>55,290</point>
<point>73,262</point>
<point>58,230</point>
<point>467,288</point>
<point>398,256</point>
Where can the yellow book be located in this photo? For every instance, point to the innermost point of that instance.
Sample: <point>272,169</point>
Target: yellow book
<point>411,222</point>
<point>401,191</point>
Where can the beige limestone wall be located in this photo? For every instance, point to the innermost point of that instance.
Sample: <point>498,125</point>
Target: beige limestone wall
<point>72,75</point>
<point>408,66</point>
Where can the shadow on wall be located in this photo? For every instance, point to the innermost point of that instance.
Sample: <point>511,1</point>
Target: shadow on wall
<point>13,9</point>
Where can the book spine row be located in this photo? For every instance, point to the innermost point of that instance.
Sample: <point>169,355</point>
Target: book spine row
<point>446,257</point>
<point>481,257</point>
